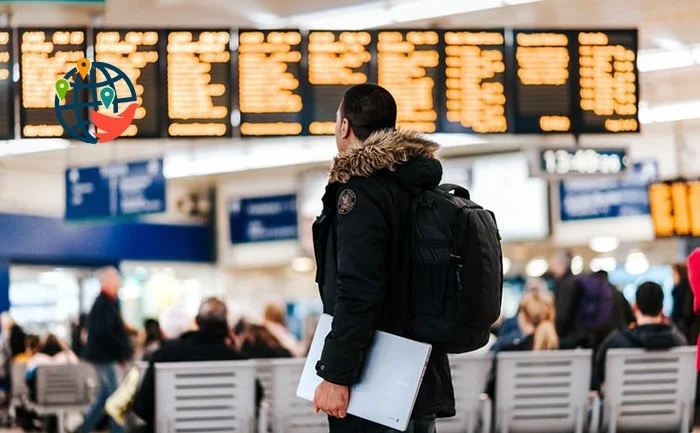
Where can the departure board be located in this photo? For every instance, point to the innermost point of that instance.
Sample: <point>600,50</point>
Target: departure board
<point>136,53</point>
<point>609,90</point>
<point>7,103</point>
<point>543,74</point>
<point>337,60</point>
<point>46,55</point>
<point>199,83</point>
<point>475,81</point>
<point>675,208</point>
<point>269,78</point>
<point>408,66</point>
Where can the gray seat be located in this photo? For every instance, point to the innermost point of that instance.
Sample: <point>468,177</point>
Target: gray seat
<point>542,392</point>
<point>291,414</point>
<point>212,396</point>
<point>469,376</point>
<point>649,391</point>
<point>60,390</point>
<point>20,392</point>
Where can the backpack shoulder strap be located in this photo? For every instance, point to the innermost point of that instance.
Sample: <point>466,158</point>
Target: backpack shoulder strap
<point>458,190</point>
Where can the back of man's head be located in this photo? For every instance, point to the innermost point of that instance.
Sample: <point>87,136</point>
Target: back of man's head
<point>369,108</point>
<point>213,318</point>
<point>650,299</point>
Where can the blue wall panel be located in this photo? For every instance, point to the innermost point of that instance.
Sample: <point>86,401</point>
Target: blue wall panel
<point>34,239</point>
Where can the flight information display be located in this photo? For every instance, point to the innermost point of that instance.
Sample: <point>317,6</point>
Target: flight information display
<point>675,208</point>
<point>7,112</point>
<point>136,53</point>
<point>408,66</point>
<point>475,81</point>
<point>609,90</point>
<point>269,82</point>
<point>543,74</point>
<point>337,60</point>
<point>45,56</point>
<point>199,83</point>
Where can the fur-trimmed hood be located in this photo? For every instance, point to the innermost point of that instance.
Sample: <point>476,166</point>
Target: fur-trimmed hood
<point>386,149</point>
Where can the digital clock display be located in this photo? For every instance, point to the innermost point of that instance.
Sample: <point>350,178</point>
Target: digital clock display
<point>566,162</point>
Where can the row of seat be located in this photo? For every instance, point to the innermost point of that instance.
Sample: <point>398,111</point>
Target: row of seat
<point>535,391</point>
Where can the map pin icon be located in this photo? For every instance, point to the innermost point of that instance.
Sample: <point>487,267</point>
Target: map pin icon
<point>107,96</point>
<point>62,87</point>
<point>83,67</point>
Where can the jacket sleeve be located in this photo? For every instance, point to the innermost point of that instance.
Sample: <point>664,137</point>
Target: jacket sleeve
<point>362,237</point>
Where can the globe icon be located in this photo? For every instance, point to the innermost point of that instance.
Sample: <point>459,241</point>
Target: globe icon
<point>85,98</point>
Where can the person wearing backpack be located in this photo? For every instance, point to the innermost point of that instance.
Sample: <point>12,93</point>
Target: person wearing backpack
<point>371,248</point>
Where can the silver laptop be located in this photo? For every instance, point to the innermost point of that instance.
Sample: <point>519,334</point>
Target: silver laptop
<point>389,383</point>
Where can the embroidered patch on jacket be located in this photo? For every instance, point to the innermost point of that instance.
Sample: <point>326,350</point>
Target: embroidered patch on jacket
<point>346,201</point>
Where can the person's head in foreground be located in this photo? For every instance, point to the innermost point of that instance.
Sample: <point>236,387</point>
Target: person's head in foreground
<point>365,109</point>
<point>536,318</point>
<point>110,280</point>
<point>212,319</point>
<point>649,304</point>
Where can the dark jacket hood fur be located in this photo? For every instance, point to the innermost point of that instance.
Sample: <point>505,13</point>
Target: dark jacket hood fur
<point>385,149</point>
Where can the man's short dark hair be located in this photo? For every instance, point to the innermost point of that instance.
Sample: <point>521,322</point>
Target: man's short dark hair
<point>650,299</point>
<point>369,108</point>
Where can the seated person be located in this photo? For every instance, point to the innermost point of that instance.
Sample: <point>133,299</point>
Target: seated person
<point>258,342</point>
<point>208,343</point>
<point>651,333</point>
<point>536,325</point>
<point>509,330</point>
<point>52,351</point>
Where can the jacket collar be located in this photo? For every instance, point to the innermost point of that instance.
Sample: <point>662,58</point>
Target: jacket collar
<point>385,149</point>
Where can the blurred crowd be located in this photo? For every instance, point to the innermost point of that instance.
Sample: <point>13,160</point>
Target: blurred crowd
<point>585,311</point>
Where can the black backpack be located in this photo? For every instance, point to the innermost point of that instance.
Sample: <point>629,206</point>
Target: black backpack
<point>455,282</point>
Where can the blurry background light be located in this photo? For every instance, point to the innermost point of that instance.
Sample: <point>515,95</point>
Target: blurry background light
<point>302,264</point>
<point>607,264</point>
<point>537,267</point>
<point>506,265</point>
<point>577,265</point>
<point>604,244</point>
<point>637,263</point>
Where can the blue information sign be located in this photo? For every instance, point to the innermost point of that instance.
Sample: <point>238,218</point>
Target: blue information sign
<point>583,199</point>
<point>115,190</point>
<point>263,219</point>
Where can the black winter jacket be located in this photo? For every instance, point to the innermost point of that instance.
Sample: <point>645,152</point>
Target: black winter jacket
<point>567,296</point>
<point>359,248</point>
<point>649,337</point>
<point>108,341</point>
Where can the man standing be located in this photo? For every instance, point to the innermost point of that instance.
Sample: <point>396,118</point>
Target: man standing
<point>107,347</point>
<point>567,296</point>
<point>359,243</point>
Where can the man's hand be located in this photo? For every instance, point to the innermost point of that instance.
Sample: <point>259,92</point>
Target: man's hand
<point>332,399</point>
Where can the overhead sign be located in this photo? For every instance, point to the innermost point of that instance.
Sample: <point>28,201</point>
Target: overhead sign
<point>566,162</point>
<point>115,190</point>
<point>263,219</point>
<point>584,199</point>
<point>675,208</point>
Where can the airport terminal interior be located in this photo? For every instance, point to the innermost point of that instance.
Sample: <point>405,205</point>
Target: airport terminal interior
<point>163,164</point>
